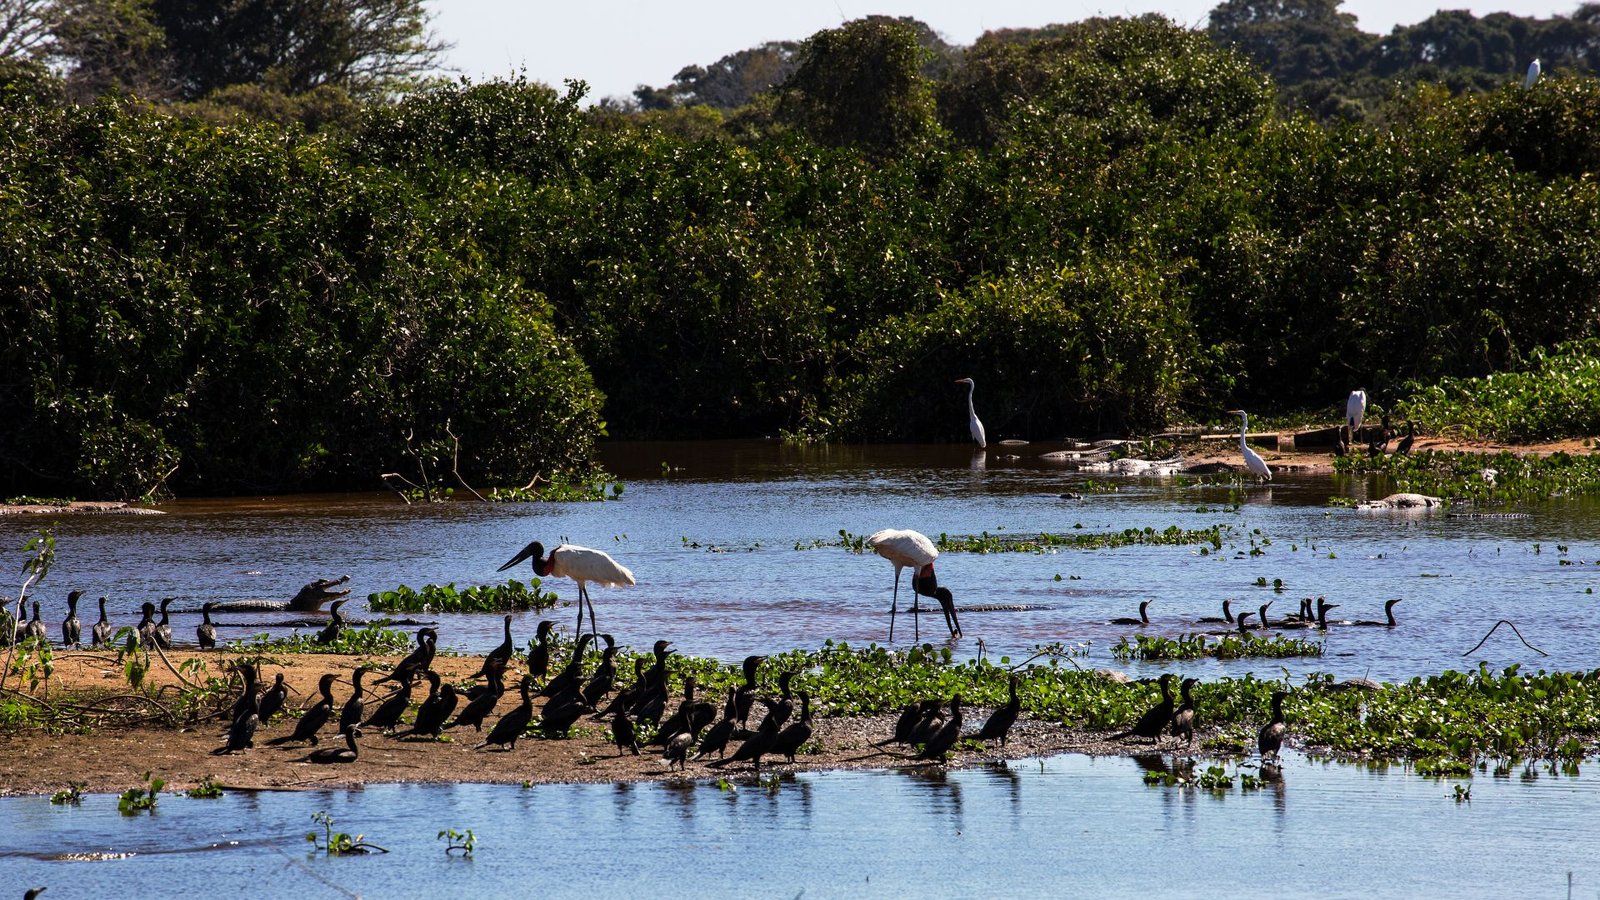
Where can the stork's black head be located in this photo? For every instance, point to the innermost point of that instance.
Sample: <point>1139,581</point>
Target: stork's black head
<point>534,550</point>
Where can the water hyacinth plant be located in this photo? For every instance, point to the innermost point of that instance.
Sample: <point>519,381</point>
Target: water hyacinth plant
<point>512,596</point>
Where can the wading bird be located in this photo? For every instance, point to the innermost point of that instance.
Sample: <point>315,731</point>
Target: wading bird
<point>1252,459</point>
<point>1533,74</point>
<point>1355,408</point>
<point>912,549</point>
<point>975,426</point>
<point>582,565</point>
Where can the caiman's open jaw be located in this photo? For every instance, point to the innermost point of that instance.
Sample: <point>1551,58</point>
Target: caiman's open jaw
<point>316,593</point>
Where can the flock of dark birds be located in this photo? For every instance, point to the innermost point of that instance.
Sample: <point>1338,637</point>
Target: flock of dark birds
<point>1165,718</point>
<point>1312,614</point>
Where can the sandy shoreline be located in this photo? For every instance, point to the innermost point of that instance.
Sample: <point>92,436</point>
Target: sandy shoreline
<point>112,759</point>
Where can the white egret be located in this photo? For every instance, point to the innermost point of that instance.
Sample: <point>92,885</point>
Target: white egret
<point>972,416</point>
<point>906,548</point>
<point>1533,74</point>
<point>1354,409</point>
<point>1252,459</point>
<point>581,564</point>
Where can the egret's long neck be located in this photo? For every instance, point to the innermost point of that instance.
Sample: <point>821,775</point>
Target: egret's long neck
<point>1244,426</point>
<point>971,387</point>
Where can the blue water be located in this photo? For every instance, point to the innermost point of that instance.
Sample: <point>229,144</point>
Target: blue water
<point>1065,826</point>
<point>745,589</point>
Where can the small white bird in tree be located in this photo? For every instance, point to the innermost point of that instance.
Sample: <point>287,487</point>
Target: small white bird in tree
<point>972,416</point>
<point>912,549</point>
<point>1533,74</point>
<point>1252,459</point>
<point>1355,409</point>
<point>581,564</point>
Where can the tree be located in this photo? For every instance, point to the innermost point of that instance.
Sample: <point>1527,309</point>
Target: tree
<point>861,85</point>
<point>110,44</point>
<point>728,83</point>
<point>25,27</point>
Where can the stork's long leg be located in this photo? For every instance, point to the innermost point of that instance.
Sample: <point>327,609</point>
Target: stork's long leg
<point>895,604</point>
<point>592,626</point>
<point>582,595</point>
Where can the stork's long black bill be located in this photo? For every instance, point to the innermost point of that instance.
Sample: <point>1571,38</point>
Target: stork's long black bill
<point>533,549</point>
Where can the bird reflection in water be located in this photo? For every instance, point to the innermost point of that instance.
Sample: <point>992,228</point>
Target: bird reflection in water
<point>943,792</point>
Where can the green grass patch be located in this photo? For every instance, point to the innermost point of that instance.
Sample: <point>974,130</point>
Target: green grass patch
<point>1483,477</point>
<point>373,640</point>
<point>1556,396</point>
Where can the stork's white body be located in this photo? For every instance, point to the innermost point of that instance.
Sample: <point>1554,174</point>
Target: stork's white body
<point>906,549</point>
<point>583,564</point>
<point>1354,409</point>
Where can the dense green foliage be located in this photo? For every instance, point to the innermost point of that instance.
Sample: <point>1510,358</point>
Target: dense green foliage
<point>1110,225</point>
<point>1556,395</point>
<point>1197,646</point>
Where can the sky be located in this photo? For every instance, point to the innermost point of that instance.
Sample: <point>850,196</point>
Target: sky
<point>617,46</point>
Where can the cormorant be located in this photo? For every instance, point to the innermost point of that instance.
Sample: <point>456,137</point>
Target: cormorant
<point>1270,740</point>
<point>242,734</point>
<point>247,695</point>
<point>476,711</point>
<point>317,716</point>
<point>1404,446</point>
<point>1154,721</point>
<point>779,711</point>
<point>1226,617</point>
<point>539,653</point>
<point>387,715</point>
<point>1144,616</point>
<point>164,627</point>
<point>625,698</point>
<point>947,735</point>
<point>677,750</point>
<point>205,632</point>
<point>1322,613</point>
<point>349,753</point>
<point>272,701</point>
<point>910,719</point>
<point>356,707</point>
<point>605,674</point>
<point>144,634</point>
<point>497,673</point>
<point>417,661</point>
<point>330,632</point>
<point>500,654</point>
<point>716,740</point>
<point>1388,611</point>
<point>433,712</point>
<point>561,712</point>
<point>791,739</point>
<point>570,678</point>
<point>622,733</point>
<point>1000,722</point>
<point>1265,624</point>
<point>514,723</point>
<point>1183,720</point>
<point>746,694</point>
<point>102,629</point>
<point>932,721</point>
<point>753,749</point>
<point>71,628</point>
<point>37,633</point>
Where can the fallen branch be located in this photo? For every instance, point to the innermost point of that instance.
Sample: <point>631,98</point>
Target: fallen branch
<point>386,483</point>
<point>455,462</point>
<point>1513,627</point>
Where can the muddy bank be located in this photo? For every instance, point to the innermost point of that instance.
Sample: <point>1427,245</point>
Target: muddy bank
<point>113,759</point>
<point>1287,459</point>
<point>78,507</point>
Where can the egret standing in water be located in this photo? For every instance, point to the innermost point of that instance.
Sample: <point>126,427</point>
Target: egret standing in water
<point>972,414</point>
<point>906,548</point>
<point>582,565</point>
<point>1252,459</point>
<point>1533,74</point>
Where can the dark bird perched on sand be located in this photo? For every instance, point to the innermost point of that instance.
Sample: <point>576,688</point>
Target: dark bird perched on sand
<point>317,716</point>
<point>570,678</point>
<point>205,632</point>
<point>779,711</point>
<point>247,694</point>
<point>625,697</point>
<point>479,708</point>
<point>438,706</point>
<point>164,627</point>
<point>792,738</point>
<point>651,699</point>
<point>71,628</point>
<point>514,723</point>
<point>1270,740</point>
<point>1183,719</point>
<point>1155,720</point>
<point>272,701</point>
<point>349,753</point>
<point>539,651</point>
<point>355,709</point>
<point>676,753</point>
<point>37,633</point>
<point>144,634</point>
<point>500,654</point>
<point>242,733</point>
<point>910,717</point>
<point>605,674</point>
<point>417,661</point>
<point>947,735</point>
<point>759,745</point>
<point>746,696</point>
<point>716,739</point>
<point>623,734</point>
<point>388,713</point>
<point>1001,720</point>
<point>102,629</point>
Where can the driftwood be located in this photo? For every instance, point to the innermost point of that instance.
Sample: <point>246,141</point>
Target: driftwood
<point>1513,628</point>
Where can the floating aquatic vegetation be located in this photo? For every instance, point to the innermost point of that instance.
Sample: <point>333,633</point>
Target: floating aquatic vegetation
<point>373,640</point>
<point>1197,646</point>
<point>512,596</point>
<point>1483,477</point>
<point>1043,542</point>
